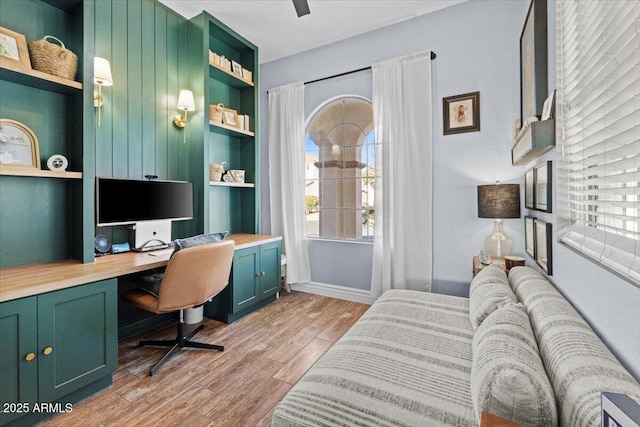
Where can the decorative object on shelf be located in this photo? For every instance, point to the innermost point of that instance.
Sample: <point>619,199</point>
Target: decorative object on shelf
<point>57,162</point>
<point>548,108</point>
<point>619,410</point>
<point>216,171</point>
<point>542,232</point>
<point>498,201</point>
<point>529,189</point>
<point>185,103</point>
<point>485,257</point>
<point>533,60</point>
<point>461,113</point>
<point>52,58</point>
<point>14,52</point>
<point>18,145</point>
<point>237,175</point>
<point>215,113</point>
<point>214,58</point>
<point>247,75</point>
<point>236,68</point>
<point>227,178</point>
<point>246,122</point>
<point>230,117</point>
<point>529,237</point>
<point>542,179</point>
<point>511,261</point>
<point>101,77</point>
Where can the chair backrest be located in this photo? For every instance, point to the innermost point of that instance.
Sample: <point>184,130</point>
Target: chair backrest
<point>195,275</point>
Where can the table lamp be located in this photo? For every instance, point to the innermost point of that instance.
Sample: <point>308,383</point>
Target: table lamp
<point>498,201</point>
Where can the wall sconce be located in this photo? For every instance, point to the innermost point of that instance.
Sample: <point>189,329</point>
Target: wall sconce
<point>185,103</point>
<point>101,77</point>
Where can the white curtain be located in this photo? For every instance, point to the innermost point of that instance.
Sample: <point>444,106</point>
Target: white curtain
<point>286,177</point>
<point>403,131</point>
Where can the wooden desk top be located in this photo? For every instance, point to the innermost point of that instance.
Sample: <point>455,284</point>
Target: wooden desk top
<point>34,279</point>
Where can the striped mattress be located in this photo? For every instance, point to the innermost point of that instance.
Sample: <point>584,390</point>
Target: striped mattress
<point>406,362</point>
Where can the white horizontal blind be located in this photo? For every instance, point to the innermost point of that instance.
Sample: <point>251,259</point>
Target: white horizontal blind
<point>599,115</point>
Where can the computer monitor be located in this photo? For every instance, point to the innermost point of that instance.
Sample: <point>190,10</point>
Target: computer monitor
<point>146,206</point>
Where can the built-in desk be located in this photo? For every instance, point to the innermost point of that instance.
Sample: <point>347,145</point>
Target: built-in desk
<point>34,279</point>
<point>59,320</point>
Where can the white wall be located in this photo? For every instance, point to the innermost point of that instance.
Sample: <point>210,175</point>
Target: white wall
<point>477,44</point>
<point>477,50</point>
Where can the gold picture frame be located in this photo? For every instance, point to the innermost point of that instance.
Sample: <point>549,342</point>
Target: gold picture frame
<point>18,145</point>
<point>230,118</point>
<point>14,53</point>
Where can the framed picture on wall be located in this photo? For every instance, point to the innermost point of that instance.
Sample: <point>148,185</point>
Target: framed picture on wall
<point>533,61</point>
<point>461,113</point>
<point>529,190</point>
<point>529,237</point>
<point>542,231</point>
<point>542,179</point>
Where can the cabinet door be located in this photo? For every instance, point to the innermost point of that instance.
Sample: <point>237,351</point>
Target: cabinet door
<point>18,339</point>
<point>245,278</point>
<point>269,269</point>
<point>78,329</point>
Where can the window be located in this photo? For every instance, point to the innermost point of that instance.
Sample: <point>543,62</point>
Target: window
<point>599,114</point>
<point>340,173</point>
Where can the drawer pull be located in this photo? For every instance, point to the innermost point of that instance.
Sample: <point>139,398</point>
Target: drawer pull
<point>47,351</point>
<point>29,357</point>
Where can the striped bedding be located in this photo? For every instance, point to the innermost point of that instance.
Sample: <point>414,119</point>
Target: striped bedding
<point>406,362</point>
<point>578,363</point>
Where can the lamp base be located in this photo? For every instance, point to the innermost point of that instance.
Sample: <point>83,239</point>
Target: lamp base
<point>498,243</point>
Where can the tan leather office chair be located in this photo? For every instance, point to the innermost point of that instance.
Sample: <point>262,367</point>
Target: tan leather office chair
<point>193,276</point>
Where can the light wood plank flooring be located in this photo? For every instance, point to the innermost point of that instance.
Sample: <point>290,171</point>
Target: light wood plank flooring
<point>265,353</point>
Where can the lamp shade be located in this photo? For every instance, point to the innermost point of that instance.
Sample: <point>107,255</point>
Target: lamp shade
<point>102,72</point>
<point>185,101</point>
<point>499,201</point>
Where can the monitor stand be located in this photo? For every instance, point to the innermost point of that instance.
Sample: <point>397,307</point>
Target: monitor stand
<point>150,235</point>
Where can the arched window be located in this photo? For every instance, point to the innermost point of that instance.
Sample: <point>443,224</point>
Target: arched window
<point>340,170</point>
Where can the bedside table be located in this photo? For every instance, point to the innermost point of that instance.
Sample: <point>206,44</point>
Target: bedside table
<point>477,265</point>
<point>489,420</point>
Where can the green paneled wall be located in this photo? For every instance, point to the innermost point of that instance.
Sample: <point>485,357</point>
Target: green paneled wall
<point>43,220</point>
<point>145,42</point>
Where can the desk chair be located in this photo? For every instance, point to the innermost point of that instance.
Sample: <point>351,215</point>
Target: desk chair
<point>193,276</point>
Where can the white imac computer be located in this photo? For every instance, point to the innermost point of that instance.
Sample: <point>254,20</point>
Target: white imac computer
<point>147,207</point>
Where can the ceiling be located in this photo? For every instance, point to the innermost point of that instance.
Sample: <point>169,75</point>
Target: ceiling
<point>277,31</point>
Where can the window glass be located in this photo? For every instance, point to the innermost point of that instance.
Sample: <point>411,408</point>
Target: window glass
<point>340,170</point>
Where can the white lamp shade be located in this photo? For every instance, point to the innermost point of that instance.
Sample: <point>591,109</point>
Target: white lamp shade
<point>185,101</point>
<point>102,72</point>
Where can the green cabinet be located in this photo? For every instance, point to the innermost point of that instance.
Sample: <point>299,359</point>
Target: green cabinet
<point>254,282</point>
<point>57,343</point>
<point>255,275</point>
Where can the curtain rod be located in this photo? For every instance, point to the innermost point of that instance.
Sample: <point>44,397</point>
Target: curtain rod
<point>433,56</point>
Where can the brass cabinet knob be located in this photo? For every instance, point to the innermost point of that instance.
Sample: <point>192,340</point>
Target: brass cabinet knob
<point>47,351</point>
<point>29,357</point>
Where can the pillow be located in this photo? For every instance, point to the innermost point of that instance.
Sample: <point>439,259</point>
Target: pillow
<point>150,283</point>
<point>488,289</point>
<point>507,375</point>
<point>201,239</point>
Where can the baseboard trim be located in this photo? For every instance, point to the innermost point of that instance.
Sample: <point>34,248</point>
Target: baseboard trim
<point>335,291</point>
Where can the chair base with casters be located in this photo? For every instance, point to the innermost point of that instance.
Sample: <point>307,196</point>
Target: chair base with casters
<point>181,341</point>
<point>193,276</point>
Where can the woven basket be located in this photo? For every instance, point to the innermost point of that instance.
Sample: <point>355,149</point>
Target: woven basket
<point>53,59</point>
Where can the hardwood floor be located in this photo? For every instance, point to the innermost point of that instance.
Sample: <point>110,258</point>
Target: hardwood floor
<point>265,353</point>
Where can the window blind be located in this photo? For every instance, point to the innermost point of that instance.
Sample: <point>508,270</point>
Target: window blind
<point>599,117</point>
